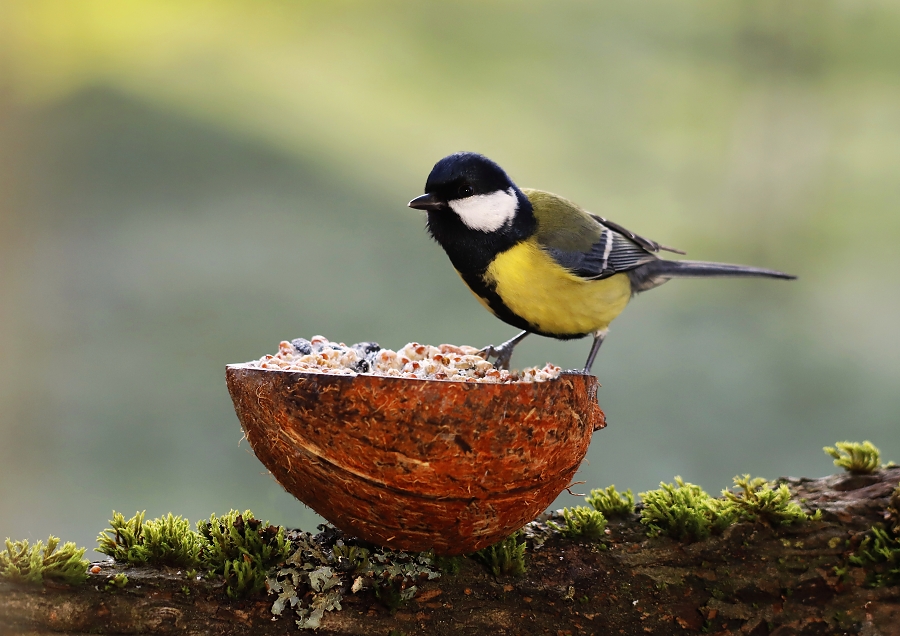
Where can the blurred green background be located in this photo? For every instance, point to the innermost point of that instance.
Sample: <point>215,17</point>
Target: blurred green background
<point>185,184</point>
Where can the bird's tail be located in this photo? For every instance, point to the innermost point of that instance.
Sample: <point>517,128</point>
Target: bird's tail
<point>657,272</point>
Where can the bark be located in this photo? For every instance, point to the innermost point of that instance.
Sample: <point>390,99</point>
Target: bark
<point>752,579</point>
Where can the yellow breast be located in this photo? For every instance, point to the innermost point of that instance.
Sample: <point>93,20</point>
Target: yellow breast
<point>536,288</point>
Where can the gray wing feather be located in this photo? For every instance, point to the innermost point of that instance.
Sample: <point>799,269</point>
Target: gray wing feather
<point>617,250</point>
<point>647,244</point>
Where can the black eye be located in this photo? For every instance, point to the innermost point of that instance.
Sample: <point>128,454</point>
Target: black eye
<point>466,191</point>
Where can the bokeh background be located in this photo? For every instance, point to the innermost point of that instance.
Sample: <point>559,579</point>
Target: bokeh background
<point>184,184</point>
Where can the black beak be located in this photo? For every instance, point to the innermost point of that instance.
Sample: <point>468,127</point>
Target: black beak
<point>426,202</point>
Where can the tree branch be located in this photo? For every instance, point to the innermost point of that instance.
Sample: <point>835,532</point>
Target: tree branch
<point>751,579</point>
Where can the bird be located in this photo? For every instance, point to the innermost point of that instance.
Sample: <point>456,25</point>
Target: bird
<point>540,262</point>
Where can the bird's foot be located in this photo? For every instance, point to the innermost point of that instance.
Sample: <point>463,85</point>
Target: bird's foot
<point>503,353</point>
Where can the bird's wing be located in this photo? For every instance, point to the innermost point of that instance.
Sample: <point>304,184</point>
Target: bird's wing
<point>647,244</point>
<point>588,245</point>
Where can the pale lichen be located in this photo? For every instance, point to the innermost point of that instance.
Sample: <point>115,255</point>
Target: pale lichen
<point>323,568</point>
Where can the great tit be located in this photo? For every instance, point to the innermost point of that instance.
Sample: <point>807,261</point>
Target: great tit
<point>540,262</point>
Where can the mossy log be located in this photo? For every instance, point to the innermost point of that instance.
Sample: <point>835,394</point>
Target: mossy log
<point>751,579</point>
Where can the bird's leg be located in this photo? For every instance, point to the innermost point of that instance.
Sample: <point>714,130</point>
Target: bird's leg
<point>504,351</point>
<point>595,347</point>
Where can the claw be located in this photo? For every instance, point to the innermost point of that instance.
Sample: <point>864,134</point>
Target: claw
<point>503,353</point>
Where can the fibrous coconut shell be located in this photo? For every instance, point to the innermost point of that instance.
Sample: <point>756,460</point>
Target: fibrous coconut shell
<point>418,464</point>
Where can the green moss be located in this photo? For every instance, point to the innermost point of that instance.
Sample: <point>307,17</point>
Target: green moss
<point>235,546</point>
<point>581,521</point>
<point>241,549</point>
<point>505,557</point>
<point>243,578</point>
<point>855,457</point>
<point>166,540</point>
<point>879,551</point>
<point>893,512</point>
<point>448,565</point>
<point>350,558</point>
<point>611,503</point>
<point>172,541</point>
<point>118,581</point>
<point>756,500</point>
<point>392,593</point>
<point>683,511</point>
<point>124,540</point>
<point>37,564</point>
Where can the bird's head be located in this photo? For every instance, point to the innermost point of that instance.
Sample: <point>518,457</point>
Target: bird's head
<point>472,187</point>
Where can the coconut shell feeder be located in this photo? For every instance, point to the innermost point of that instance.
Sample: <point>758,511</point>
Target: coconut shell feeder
<point>418,464</point>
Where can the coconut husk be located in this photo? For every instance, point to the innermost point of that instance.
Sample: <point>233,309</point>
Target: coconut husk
<point>418,464</point>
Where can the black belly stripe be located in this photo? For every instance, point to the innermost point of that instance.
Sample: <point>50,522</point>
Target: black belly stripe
<point>487,292</point>
<point>472,252</point>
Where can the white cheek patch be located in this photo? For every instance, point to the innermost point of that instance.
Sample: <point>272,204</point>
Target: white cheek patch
<point>487,212</point>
